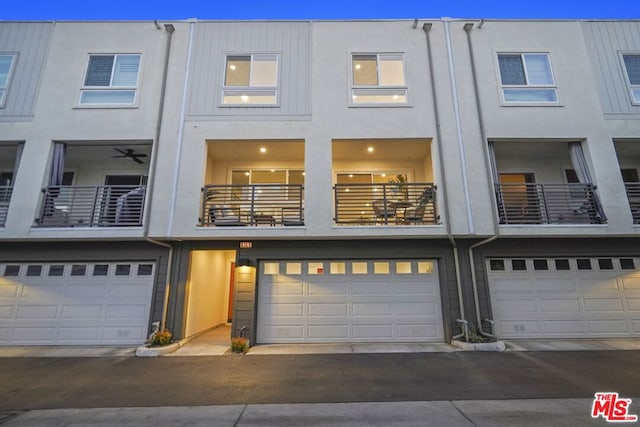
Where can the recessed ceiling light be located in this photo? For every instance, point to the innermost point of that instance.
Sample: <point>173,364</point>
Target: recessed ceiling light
<point>370,149</point>
<point>350,175</point>
<point>263,150</point>
<point>358,66</point>
<point>303,173</point>
<point>395,96</point>
<point>244,98</point>
<point>273,170</point>
<point>232,67</point>
<point>384,174</point>
<point>247,174</point>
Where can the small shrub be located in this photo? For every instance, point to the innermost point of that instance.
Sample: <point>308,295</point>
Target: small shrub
<point>162,338</point>
<point>476,337</point>
<point>239,345</point>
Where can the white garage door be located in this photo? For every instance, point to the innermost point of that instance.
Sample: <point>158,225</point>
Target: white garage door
<point>75,303</point>
<point>349,301</point>
<point>565,297</point>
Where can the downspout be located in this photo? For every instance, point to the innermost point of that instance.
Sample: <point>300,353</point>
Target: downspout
<point>483,137</point>
<point>169,28</point>
<point>178,155</point>
<point>458,119</point>
<point>427,27</point>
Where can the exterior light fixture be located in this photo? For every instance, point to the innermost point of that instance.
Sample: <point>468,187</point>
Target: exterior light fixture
<point>370,149</point>
<point>263,150</point>
<point>244,262</point>
<point>232,67</point>
<point>358,66</point>
<point>244,98</point>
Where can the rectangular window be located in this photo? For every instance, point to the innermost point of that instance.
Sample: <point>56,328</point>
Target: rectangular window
<point>378,79</point>
<point>632,66</point>
<point>527,78</point>
<point>251,80</point>
<point>111,80</point>
<point>6,68</point>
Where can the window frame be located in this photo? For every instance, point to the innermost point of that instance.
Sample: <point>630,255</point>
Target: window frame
<point>381,88</point>
<point>5,90</point>
<point>248,90</point>
<point>527,86</point>
<point>630,86</point>
<point>84,88</point>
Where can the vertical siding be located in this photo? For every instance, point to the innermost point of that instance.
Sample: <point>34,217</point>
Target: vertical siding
<point>30,41</point>
<point>291,40</point>
<point>605,41</point>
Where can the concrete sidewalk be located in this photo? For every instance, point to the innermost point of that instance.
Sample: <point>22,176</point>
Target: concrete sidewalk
<point>542,412</point>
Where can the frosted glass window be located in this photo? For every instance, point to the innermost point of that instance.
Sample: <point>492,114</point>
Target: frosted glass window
<point>111,80</point>
<point>358,267</point>
<point>294,268</point>
<point>251,79</point>
<point>271,268</point>
<point>6,67</point>
<point>378,79</point>
<point>403,267</point>
<point>338,268</point>
<point>632,67</point>
<point>425,267</point>
<point>380,267</point>
<point>527,77</point>
<point>315,268</point>
<point>34,270</point>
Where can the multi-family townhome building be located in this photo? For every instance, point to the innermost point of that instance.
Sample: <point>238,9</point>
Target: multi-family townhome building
<point>319,181</point>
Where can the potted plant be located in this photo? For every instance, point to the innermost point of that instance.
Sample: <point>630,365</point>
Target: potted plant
<point>239,345</point>
<point>472,339</point>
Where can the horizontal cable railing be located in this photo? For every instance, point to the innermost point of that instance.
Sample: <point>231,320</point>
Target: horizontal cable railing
<point>255,204</point>
<point>573,203</point>
<point>385,204</point>
<point>633,194</point>
<point>5,198</point>
<point>92,206</point>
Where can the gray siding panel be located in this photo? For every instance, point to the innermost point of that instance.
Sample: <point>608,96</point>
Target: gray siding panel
<point>31,42</point>
<point>605,41</point>
<point>291,40</point>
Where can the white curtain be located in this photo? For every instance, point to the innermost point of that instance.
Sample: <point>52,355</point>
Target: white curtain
<point>579,162</point>
<point>492,161</point>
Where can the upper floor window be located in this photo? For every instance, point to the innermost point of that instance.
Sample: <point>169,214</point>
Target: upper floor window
<point>527,78</point>
<point>111,80</point>
<point>6,67</point>
<point>378,79</point>
<point>632,65</point>
<point>251,80</point>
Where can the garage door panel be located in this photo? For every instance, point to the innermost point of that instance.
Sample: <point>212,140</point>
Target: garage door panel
<point>26,335</point>
<point>123,334</point>
<point>327,309</point>
<point>41,291</point>
<point>424,331</point>
<point>372,309</point>
<point>635,325</point>
<point>76,334</point>
<point>6,311</point>
<point>342,306</point>
<point>128,290</point>
<point>563,326</point>
<point>634,304</point>
<point>328,332</point>
<point>4,334</point>
<point>8,289</point>
<point>515,306</point>
<point>603,304</point>
<point>81,311</point>
<point>512,284</point>
<point>372,331</point>
<point>555,284</point>
<point>630,283</point>
<point>521,327</point>
<point>123,311</point>
<point>563,305</point>
<point>613,326</point>
<point>287,310</point>
<point>37,312</point>
<point>85,290</point>
<point>285,288</point>
<point>327,289</point>
<point>598,285</point>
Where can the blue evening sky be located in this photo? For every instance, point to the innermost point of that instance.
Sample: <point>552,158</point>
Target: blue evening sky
<point>311,9</point>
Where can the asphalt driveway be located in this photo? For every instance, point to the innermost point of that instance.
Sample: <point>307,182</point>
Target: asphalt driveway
<point>38,383</point>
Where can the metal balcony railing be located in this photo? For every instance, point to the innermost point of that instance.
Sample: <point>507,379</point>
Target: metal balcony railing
<point>257,204</point>
<point>92,206</point>
<point>548,204</point>
<point>5,198</point>
<point>385,204</point>
<point>633,194</point>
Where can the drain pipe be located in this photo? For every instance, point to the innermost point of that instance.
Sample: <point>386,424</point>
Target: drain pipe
<point>483,137</point>
<point>427,27</point>
<point>169,28</point>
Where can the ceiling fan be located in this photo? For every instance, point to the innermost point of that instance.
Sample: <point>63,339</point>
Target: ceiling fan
<point>130,154</point>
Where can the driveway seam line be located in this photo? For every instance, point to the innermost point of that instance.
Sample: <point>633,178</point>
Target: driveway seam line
<point>240,416</point>
<point>462,413</point>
